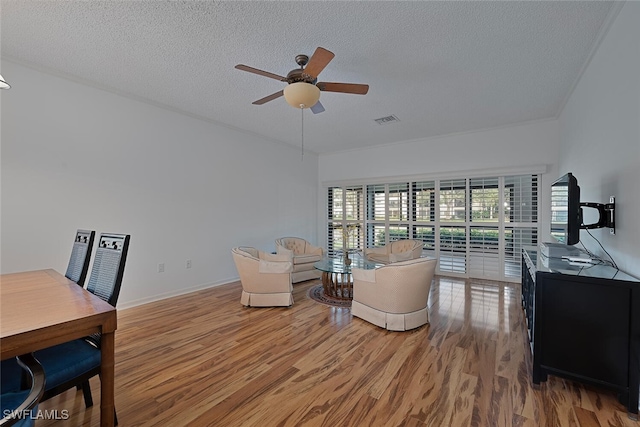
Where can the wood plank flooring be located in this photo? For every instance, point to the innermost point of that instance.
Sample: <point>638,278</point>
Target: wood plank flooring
<point>204,360</point>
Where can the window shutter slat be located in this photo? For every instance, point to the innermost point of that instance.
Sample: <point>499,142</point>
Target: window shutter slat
<point>475,226</point>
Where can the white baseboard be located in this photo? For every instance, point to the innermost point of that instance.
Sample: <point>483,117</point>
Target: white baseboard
<point>175,293</point>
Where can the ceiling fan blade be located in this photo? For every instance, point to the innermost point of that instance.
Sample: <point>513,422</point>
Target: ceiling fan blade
<point>355,88</point>
<point>260,72</point>
<point>320,58</point>
<point>317,108</point>
<point>268,98</point>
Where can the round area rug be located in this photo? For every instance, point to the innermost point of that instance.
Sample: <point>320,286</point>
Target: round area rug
<point>316,293</point>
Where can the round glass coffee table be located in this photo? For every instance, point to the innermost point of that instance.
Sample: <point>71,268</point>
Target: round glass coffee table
<point>336,275</point>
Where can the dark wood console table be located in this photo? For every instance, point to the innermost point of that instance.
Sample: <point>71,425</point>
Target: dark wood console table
<point>583,323</point>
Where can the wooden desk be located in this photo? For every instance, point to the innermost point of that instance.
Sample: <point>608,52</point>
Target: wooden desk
<point>39,309</point>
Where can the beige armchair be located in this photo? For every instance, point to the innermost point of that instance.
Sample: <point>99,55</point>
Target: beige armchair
<point>400,250</point>
<point>394,296</point>
<point>266,278</point>
<point>304,256</point>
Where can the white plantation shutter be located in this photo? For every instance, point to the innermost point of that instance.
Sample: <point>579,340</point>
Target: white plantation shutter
<point>398,211</point>
<point>428,236</point>
<point>424,206</point>
<point>520,220</point>
<point>484,234</point>
<point>335,202</point>
<point>485,200</point>
<point>521,199</point>
<point>475,226</point>
<point>334,215</point>
<point>453,249</point>
<point>376,213</point>
<point>376,203</point>
<point>354,209</point>
<point>484,252</point>
<point>515,239</point>
<point>453,200</point>
<point>376,235</point>
<point>398,202</point>
<point>423,212</point>
<point>345,207</point>
<point>453,237</point>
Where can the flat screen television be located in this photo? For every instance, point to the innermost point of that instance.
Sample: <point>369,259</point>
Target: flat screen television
<point>566,214</point>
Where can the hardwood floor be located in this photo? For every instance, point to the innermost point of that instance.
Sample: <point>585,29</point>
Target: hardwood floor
<point>204,360</point>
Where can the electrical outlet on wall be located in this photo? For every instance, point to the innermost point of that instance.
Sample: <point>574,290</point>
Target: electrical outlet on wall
<point>161,267</point>
<point>188,263</point>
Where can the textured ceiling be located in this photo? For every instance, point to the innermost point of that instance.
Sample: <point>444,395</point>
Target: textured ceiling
<point>440,67</point>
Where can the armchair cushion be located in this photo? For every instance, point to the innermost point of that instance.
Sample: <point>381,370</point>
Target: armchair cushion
<point>401,256</point>
<point>396,251</point>
<point>306,258</point>
<point>304,255</point>
<point>265,278</point>
<point>394,296</point>
<point>278,263</point>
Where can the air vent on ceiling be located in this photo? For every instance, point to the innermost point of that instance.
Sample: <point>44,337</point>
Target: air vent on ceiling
<point>387,120</point>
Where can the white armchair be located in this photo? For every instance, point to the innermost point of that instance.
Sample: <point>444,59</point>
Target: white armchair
<point>394,296</point>
<point>399,250</point>
<point>304,256</point>
<point>266,278</point>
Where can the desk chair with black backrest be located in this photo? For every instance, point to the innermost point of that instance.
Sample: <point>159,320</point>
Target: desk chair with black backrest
<point>20,405</point>
<point>80,256</point>
<point>73,363</point>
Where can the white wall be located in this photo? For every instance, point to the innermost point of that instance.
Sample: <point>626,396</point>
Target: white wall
<point>597,137</point>
<point>600,137</point>
<point>74,156</point>
<point>511,147</point>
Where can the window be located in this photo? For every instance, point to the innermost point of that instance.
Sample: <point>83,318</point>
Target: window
<point>484,234</point>
<point>453,249</point>
<point>345,208</point>
<point>520,219</point>
<point>453,200</point>
<point>476,227</point>
<point>423,214</point>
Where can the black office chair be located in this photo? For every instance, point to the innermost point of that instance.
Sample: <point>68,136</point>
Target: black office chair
<point>72,364</point>
<point>19,406</point>
<point>80,255</point>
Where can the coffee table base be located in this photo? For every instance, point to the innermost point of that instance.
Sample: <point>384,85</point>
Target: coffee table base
<point>337,285</point>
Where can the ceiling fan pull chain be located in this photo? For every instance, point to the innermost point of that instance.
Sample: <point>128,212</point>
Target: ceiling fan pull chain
<point>302,130</point>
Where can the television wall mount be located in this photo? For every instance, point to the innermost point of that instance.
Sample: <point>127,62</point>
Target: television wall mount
<point>606,215</point>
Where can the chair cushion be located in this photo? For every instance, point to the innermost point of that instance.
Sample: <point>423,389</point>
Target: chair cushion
<point>381,258</point>
<point>400,256</point>
<point>10,376</point>
<point>12,396</point>
<point>66,361</point>
<point>274,267</point>
<point>253,252</point>
<point>295,245</point>
<point>306,258</point>
<point>10,401</point>
<point>403,245</point>
<point>364,275</point>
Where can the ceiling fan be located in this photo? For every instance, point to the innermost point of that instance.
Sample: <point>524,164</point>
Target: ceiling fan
<point>303,89</point>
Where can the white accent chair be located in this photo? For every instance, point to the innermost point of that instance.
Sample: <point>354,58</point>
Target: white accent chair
<point>304,256</point>
<point>394,296</point>
<point>399,250</point>
<point>266,278</point>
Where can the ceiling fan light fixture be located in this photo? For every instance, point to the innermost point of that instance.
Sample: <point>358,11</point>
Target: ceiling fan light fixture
<point>301,94</point>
